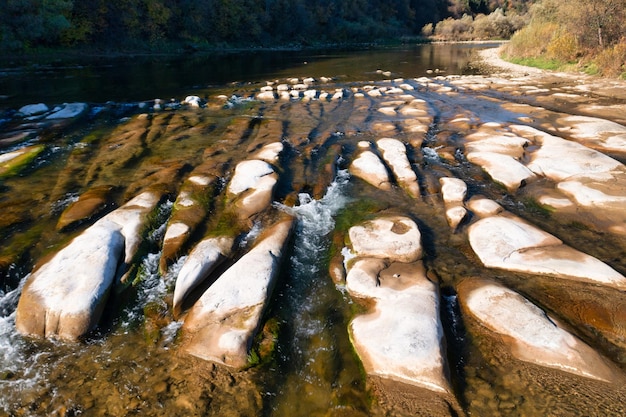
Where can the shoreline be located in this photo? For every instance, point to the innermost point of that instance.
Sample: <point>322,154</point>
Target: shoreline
<point>491,58</point>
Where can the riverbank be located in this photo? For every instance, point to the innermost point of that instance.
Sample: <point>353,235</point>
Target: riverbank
<point>491,58</point>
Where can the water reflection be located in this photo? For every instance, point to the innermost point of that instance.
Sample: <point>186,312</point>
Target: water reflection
<point>98,80</point>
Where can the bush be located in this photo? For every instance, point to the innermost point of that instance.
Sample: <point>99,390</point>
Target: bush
<point>563,47</point>
<point>532,41</point>
<point>428,29</point>
<point>611,62</point>
<point>455,29</point>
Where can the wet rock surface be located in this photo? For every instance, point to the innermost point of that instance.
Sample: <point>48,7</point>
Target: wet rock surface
<point>518,179</point>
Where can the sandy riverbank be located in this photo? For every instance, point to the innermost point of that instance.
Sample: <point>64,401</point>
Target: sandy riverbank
<point>491,58</point>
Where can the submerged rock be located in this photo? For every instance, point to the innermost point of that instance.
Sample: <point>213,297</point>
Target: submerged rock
<point>89,204</point>
<point>221,325</point>
<point>529,332</point>
<point>65,297</point>
<point>11,163</point>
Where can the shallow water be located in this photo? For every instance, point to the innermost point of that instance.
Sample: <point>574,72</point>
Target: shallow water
<point>132,364</point>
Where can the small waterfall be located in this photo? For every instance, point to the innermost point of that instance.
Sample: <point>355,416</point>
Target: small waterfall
<point>311,310</point>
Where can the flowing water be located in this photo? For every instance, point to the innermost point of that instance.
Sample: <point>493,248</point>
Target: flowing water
<point>132,363</point>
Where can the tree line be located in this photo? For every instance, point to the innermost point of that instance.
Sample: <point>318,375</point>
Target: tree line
<point>137,24</point>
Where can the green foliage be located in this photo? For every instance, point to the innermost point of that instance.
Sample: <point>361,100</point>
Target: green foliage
<point>29,24</point>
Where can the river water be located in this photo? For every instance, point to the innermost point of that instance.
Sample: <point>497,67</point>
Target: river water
<point>132,365</point>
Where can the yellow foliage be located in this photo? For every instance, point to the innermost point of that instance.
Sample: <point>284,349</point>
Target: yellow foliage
<point>532,40</point>
<point>611,62</point>
<point>563,47</point>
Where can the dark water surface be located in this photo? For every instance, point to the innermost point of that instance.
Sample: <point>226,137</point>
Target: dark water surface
<point>138,78</point>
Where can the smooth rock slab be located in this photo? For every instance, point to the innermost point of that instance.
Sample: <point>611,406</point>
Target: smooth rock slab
<point>394,153</point>
<point>12,162</point>
<point>203,259</point>
<point>454,190</point>
<point>65,297</point>
<point>559,159</point>
<point>529,332</point>
<point>599,133</point>
<point>248,174</point>
<point>504,169</point>
<point>484,207</point>
<point>510,243</point>
<point>221,325</point>
<point>270,152</point>
<point>394,237</point>
<point>68,111</point>
<point>371,169</point>
<point>253,185</point>
<point>402,337</point>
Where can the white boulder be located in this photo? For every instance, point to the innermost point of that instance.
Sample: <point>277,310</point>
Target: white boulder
<point>65,297</point>
<point>503,169</point>
<point>394,153</point>
<point>68,111</point>
<point>529,332</point>
<point>33,109</point>
<point>221,325</point>
<point>392,237</point>
<point>270,152</point>
<point>401,338</point>
<point>454,190</point>
<point>507,242</point>
<point>370,169</point>
<point>199,264</point>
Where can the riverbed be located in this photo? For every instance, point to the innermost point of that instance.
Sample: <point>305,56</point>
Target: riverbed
<point>139,132</point>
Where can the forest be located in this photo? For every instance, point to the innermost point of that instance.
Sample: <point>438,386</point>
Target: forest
<point>129,25</point>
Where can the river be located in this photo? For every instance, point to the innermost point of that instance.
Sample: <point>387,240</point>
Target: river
<point>132,363</point>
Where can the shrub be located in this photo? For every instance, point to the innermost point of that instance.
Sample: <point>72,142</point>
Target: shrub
<point>455,29</point>
<point>428,29</point>
<point>611,62</point>
<point>563,47</point>
<point>532,40</point>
